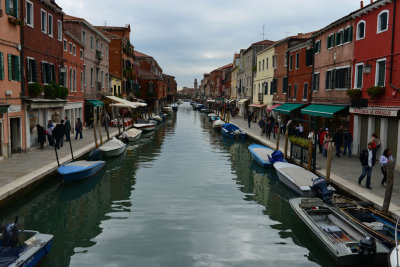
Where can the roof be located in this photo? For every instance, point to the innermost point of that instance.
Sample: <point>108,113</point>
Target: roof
<point>108,34</point>
<point>264,42</point>
<point>140,54</point>
<point>226,66</point>
<point>116,28</point>
<point>52,4</point>
<point>70,35</point>
<point>68,18</point>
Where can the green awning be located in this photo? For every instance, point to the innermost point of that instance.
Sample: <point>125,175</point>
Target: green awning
<point>96,103</point>
<point>287,108</point>
<point>322,110</point>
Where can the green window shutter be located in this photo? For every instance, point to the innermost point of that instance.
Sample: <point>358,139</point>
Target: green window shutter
<point>15,7</point>
<point>328,41</point>
<point>18,69</point>
<point>350,34</point>
<point>9,58</point>
<point>8,6</point>
<point>1,66</point>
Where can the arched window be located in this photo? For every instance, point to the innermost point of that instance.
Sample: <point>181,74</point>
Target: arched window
<point>383,19</point>
<point>361,30</point>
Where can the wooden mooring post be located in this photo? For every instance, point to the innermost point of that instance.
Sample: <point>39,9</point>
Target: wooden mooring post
<point>310,153</point>
<point>94,130</point>
<point>329,162</point>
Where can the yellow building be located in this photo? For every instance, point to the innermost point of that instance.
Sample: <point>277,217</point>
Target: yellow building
<point>116,85</point>
<point>234,76</point>
<point>264,84</point>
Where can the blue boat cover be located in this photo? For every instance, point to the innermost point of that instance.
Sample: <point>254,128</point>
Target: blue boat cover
<point>67,169</point>
<point>277,156</point>
<point>230,127</point>
<point>9,255</point>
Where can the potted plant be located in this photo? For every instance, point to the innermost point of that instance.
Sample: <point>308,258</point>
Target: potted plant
<point>35,89</point>
<point>303,142</point>
<point>354,93</point>
<point>375,91</point>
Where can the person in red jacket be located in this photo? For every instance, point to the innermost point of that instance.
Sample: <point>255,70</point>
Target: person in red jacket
<point>321,139</point>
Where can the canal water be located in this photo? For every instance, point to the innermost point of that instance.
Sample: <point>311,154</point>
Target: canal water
<point>184,196</point>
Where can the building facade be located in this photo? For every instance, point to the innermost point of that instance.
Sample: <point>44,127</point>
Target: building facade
<point>171,88</point>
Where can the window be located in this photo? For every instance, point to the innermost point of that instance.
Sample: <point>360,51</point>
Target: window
<point>331,41</point>
<point>48,74</point>
<point>295,91</point>
<point>263,64</point>
<point>97,44</point>
<point>101,48</point>
<point>348,34</point>
<point>285,60</point>
<point>380,72</point>
<point>358,79</point>
<point>91,76</point>
<point>259,66</point>
<point>329,79</point>
<point>63,77</point>
<point>14,68</point>
<point>383,18</point>
<point>29,13</point>
<point>273,86</point>
<point>43,24</point>
<point>305,91</point>
<point>12,8</point>
<point>274,61</point>
<point>284,85</point>
<point>70,48</point>
<point>81,54</point>
<point>266,88</point>
<point>74,80</point>
<point>91,42</point>
<point>106,51</point>
<point>97,75</point>
<point>50,26</point>
<point>83,36</point>
<point>74,50</point>
<point>59,30</point>
<point>317,47</point>
<point>31,72</point>
<point>361,30</point>
<point>101,79</point>
<point>65,45</point>
<point>290,62</point>
<point>315,81</point>
<point>1,66</point>
<point>338,78</point>
<point>297,60</point>
<point>70,80</point>
<point>309,57</point>
<point>267,63</point>
<point>84,75</point>
<point>340,37</point>
<point>290,91</point>
<point>81,81</point>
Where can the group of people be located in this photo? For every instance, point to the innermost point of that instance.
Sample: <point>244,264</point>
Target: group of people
<point>268,125</point>
<point>55,134</point>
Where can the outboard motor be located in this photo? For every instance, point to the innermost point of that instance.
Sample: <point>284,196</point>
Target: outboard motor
<point>320,186</point>
<point>95,155</point>
<point>10,233</point>
<point>367,250</point>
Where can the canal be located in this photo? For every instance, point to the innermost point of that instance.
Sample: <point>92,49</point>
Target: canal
<point>184,196</point>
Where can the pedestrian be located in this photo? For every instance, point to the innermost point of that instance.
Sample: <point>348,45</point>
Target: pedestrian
<point>58,134</point>
<point>348,139</point>
<point>78,128</point>
<point>320,140</point>
<point>49,130</point>
<point>384,160</point>
<point>269,129</point>
<point>311,136</point>
<point>261,123</point>
<point>338,140</point>
<point>67,129</point>
<point>106,120</point>
<point>249,117</point>
<point>275,129</point>
<point>367,159</point>
<point>41,135</point>
<point>327,140</point>
<point>376,143</point>
<point>299,130</point>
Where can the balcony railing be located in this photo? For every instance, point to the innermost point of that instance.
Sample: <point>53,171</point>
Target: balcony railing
<point>99,55</point>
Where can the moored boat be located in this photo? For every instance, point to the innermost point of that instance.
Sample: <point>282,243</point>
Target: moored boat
<point>298,179</point>
<point>232,131</point>
<point>131,135</point>
<point>167,109</point>
<point>144,125</point>
<point>29,253</point>
<point>217,124</point>
<point>263,155</point>
<point>345,242</point>
<point>112,148</point>
<point>174,107</point>
<point>79,170</point>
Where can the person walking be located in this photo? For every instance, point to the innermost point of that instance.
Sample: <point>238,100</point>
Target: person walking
<point>41,135</point>
<point>63,132</point>
<point>261,123</point>
<point>58,135</point>
<point>338,140</point>
<point>367,159</point>
<point>67,129</point>
<point>376,143</point>
<point>249,117</point>
<point>320,141</point>
<point>78,128</point>
<point>49,130</point>
<point>384,160</point>
<point>327,140</point>
<point>348,139</point>
<point>299,130</point>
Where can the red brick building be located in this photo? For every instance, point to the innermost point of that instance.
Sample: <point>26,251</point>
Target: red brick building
<point>171,88</point>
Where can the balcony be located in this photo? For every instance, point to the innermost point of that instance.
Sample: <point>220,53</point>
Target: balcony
<point>99,55</point>
<point>261,98</point>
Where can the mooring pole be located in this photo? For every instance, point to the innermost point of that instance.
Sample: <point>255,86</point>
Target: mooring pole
<point>55,150</point>
<point>70,147</point>
<point>329,162</point>
<point>310,153</point>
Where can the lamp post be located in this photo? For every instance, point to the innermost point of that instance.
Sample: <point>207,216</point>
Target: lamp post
<point>367,68</point>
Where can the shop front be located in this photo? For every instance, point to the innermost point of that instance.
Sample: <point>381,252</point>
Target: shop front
<point>327,116</point>
<point>384,121</point>
<point>243,106</point>
<point>259,110</point>
<point>3,145</point>
<point>73,110</point>
<point>286,112</point>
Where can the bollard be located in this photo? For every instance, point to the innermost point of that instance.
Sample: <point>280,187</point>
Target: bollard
<point>310,153</point>
<point>389,187</point>
<point>329,162</point>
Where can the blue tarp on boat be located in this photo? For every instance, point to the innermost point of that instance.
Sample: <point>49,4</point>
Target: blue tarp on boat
<point>230,127</point>
<point>277,156</point>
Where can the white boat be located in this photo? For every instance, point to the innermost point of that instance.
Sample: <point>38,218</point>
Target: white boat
<point>131,135</point>
<point>112,148</point>
<point>212,115</point>
<point>217,124</point>
<point>157,118</point>
<point>145,125</point>
<point>167,109</point>
<point>297,178</point>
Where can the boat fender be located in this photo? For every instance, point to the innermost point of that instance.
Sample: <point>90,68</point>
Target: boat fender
<point>10,234</point>
<point>367,250</point>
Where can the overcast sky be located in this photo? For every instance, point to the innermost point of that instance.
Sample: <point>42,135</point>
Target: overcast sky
<point>189,38</point>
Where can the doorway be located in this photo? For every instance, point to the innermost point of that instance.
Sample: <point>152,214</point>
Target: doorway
<point>15,134</point>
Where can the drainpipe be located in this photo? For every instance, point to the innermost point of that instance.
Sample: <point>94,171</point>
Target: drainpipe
<point>392,46</point>
<point>287,70</point>
<point>311,86</point>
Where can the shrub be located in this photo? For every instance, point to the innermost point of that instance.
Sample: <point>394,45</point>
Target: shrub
<point>49,91</point>
<point>354,92</point>
<point>63,93</point>
<point>303,142</point>
<point>375,91</point>
<point>35,89</point>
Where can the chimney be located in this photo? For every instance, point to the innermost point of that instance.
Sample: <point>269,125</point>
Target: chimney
<point>362,4</point>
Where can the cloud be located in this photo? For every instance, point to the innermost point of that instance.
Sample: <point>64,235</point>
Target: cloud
<point>188,38</point>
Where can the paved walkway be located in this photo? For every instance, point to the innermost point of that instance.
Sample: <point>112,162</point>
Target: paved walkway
<point>23,169</point>
<point>344,172</point>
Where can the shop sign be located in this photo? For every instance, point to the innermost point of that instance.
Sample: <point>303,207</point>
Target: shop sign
<point>374,112</point>
<point>14,108</point>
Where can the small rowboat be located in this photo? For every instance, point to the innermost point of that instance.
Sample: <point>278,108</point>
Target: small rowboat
<point>262,154</point>
<point>79,170</point>
<point>112,148</point>
<point>131,135</point>
<point>145,125</point>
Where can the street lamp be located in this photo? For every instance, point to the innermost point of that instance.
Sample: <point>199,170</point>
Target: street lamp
<point>367,68</point>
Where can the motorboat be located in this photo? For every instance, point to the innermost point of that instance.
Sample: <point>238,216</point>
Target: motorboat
<point>112,148</point>
<point>214,118</point>
<point>232,131</point>
<point>163,116</point>
<point>345,242</point>
<point>217,124</point>
<point>174,107</point>
<point>298,179</point>
<point>167,109</point>
<point>131,135</point>
<point>205,110</point>
<point>157,118</point>
<point>265,156</point>
<point>14,252</point>
<point>82,169</point>
<point>144,125</point>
